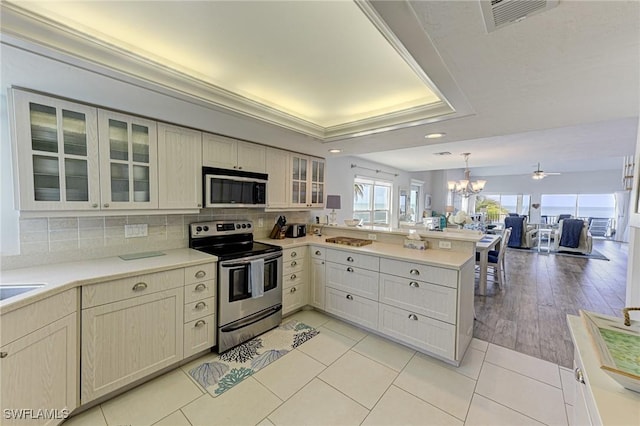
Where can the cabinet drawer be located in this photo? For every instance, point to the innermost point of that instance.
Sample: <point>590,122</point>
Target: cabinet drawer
<point>296,278</point>
<point>432,274</point>
<point>434,336</point>
<point>199,290</point>
<point>352,307</point>
<point>294,265</point>
<point>126,288</point>
<point>293,298</point>
<point>200,273</point>
<point>353,259</point>
<point>25,320</point>
<point>199,335</point>
<point>317,252</point>
<point>353,280</point>
<point>293,254</point>
<point>199,308</point>
<point>435,301</point>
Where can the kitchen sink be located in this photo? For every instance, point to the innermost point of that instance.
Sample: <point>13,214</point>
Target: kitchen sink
<point>10,290</point>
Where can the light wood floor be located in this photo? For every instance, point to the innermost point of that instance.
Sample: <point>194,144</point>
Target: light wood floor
<point>529,314</point>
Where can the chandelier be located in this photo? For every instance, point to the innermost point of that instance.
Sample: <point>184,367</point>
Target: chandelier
<point>465,187</point>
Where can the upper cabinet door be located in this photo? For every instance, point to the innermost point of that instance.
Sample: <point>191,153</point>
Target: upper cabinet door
<point>317,190</point>
<point>128,161</point>
<point>278,187</point>
<point>251,157</point>
<point>179,167</point>
<point>299,180</point>
<point>218,151</point>
<point>56,151</point>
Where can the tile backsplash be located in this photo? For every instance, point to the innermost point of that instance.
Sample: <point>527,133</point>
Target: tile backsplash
<point>60,239</point>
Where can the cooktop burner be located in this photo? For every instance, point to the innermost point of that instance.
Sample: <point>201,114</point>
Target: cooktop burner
<point>227,240</point>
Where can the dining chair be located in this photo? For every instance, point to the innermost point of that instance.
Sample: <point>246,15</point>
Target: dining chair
<point>495,260</point>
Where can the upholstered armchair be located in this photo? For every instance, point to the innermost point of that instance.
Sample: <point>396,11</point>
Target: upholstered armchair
<point>574,236</point>
<point>523,235</point>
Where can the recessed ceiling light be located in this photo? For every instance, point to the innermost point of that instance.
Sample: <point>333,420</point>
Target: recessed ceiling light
<point>335,150</point>
<point>434,135</point>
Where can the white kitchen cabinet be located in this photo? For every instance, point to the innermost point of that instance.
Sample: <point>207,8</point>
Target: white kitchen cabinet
<point>179,167</point>
<point>128,161</point>
<point>200,308</point>
<point>317,277</point>
<point>278,164</point>
<point>129,339</point>
<point>227,153</point>
<point>350,306</point>
<point>55,145</point>
<point>362,282</point>
<point>199,335</point>
<point>307,181</point>
<point>294,279</point>
<point>39,358</point>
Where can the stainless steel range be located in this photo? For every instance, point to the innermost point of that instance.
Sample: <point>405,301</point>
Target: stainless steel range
<point>249,279</point>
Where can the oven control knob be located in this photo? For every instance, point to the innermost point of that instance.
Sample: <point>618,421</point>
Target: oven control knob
<point>248,225</point>
<point>237,226</point>
<point>244,225</point>
<point>198,228</point>
<point>205,228</point>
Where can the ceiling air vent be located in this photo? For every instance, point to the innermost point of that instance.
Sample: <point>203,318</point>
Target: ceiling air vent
<point>498,13</point>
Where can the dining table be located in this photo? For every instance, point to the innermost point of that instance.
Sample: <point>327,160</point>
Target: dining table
<point>487,243</point>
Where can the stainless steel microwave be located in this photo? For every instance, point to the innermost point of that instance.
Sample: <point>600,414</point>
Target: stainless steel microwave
<point>234,188</point>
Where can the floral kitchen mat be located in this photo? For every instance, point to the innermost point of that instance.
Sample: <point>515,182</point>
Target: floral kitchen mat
<point>233,366</point>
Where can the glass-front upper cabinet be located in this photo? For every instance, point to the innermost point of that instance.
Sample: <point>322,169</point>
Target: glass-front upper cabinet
<point>56,144</point>
<point>299,180</point>
<point>128,158</point>
<point>317,182</point>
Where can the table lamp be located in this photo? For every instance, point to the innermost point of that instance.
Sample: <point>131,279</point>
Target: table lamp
<point>333,202</point>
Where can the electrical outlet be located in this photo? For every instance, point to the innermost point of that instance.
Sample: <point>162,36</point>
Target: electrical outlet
<point>444,244</point>
<point>260,222</point>
<point>135,231</point>
<point>372,236</point>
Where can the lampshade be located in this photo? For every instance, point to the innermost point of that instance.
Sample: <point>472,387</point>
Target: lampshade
<point>333,201</point>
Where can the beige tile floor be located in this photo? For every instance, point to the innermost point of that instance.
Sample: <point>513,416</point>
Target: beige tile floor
<point>347,376</point>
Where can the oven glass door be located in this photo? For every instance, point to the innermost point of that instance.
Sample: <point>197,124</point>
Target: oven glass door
<point>238,279</point>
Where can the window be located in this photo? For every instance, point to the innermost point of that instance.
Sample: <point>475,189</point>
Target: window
<point>372,201</point>
<point>578,205</point>
<point>497,206</point>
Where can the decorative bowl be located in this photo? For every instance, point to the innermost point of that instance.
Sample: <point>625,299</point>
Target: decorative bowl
<point>352,222</point>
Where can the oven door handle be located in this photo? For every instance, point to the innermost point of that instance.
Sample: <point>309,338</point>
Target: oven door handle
<point>251,319</point>
<point>247,260</point>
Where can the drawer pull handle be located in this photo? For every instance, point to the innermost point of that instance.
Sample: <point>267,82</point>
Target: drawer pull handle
<point>349,297</point>
<point>293,290</point>
<point>200,305</point>
<point>200,287</point>
<point>106,205</point>
<point>414,272</point>
<point>413,317</point>
<point>578,375</point>
<point>349,269</point>
<point>294,254</point>
<point>414,284</point>
<point>139,286</point>
<point>318,253</point>
<point>200,323</point>
<point>294,263</point>
<point>4,354</point>
<point>293,276</point>
<point>94,205</point>
<point>349,259</point>
<point>201,274</point>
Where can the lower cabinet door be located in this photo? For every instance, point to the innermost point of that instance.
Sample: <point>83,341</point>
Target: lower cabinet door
<point>317,280</point>
<point>199,335</point>
<point>434,336</point>
<point>40,371</point>
<point>357,309</point>
<point>128,340</point>
<point>293,298</point>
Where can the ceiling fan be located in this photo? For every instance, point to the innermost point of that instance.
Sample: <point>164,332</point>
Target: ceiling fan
<point>541,174</point>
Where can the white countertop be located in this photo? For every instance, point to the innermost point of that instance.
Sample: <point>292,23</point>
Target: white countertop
<point>444,258</point>
<point>62,276</point>
<point>448,234</point>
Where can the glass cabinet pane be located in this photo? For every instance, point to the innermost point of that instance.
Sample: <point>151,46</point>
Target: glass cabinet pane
<point>140,135</point>
<point>320,171</point>
<point>74,130</point>
<point>46,178</point>
<point>119,182</point>
<point>76,179</point>
<point>118,140</point>
<point>295,193</point>
<point>303,169</point>
<point>296,168</point>
<point>44,128</point>
<point>141,190</point>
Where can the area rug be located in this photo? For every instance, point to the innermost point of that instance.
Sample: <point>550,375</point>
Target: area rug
<point>236,364</point>
<point>595,254</point>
